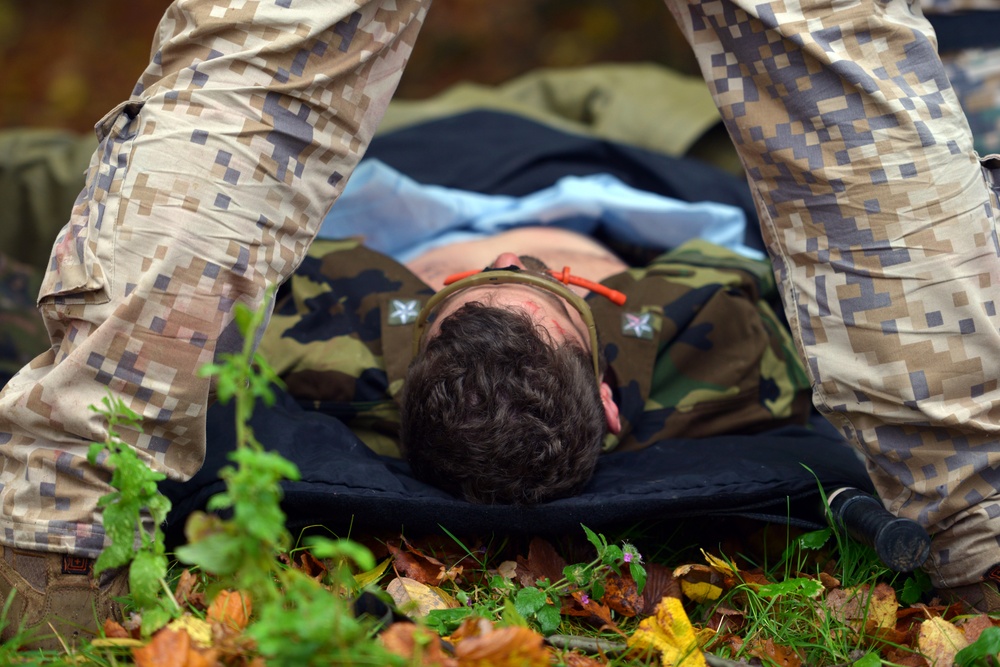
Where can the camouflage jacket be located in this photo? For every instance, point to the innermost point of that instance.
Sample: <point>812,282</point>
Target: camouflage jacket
<point>696,351</point>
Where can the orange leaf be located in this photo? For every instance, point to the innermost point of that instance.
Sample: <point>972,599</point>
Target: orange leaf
<point>593,611</point>
<point>230,609</point>
<point>114,630</point>
<point>417,645</point>
<point>310,565</point>
<point>782,656</point>
<point>167,649</point>
<point>622,595</point>
<point>505,647</point>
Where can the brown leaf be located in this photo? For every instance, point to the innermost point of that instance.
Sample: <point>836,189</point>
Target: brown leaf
<point>184,591</point>
<point>474,626</point>
<point>593,612</point>
<point>114,630</point>
<point>864,609</point>
<point>939,641</point>
<point>231,609</point>
<point>504,647</point>
<point>167,649</point>
<point>310,565</point>
<point>574,659</point>
<point>974,626</point>
<point>660,583</point>
<point>622,595</point>
<point>726,620</point>
<point>900,655</point>
<point>775,653</point>
<point>417,645</point>
<point>543,562</point>
<point>829,581</point>
<point>417,566</point>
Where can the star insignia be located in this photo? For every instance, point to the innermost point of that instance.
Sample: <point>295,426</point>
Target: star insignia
<point>638,325</point>
<point>403,311</point>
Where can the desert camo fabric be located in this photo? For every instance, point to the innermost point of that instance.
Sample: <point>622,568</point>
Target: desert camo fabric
<point>880,220</point>
<point>208,185</point>
<point>696,351</point>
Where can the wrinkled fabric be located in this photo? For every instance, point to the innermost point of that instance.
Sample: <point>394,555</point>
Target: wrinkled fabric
<point>207,186</point>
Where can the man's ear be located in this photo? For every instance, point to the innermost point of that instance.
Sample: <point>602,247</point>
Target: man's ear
<point>610,410</point>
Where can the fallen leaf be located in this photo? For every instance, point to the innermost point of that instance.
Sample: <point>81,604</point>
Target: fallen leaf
<point>719,565</point>
<point>973,626</point>
<point>622,595</point>
<point>574,659</point>
<point>726,620</point>
<point>415,598</point>
<point>939,641</point>
<point>184,591</point>
<point>114,630</point>
<point>310,565</point>
<point>592,611</point>
<point>417,566</point>
<point>829,581</point>
<point>864,609</point>
<point>198,630</point>
<point>230,609</point>
<point>504,647</point>
<point>167,649</point>
<point>363,579</point>
<point>670,633</point>
<point>507,569</point>
<point>474,626</point>
<point>417,645</point>
<point>543,562</point>
<point>660,583</point>
<point>768,651</point>
<point>700,583</point>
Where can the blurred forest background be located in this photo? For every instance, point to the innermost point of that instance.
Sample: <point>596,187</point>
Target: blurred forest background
<point>65,63</point>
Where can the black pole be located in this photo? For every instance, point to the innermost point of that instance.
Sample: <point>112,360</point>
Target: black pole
<point>902,544</point>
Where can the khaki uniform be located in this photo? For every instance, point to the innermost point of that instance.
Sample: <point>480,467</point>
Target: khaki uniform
<point>208,184</point>
<point>881,224</point>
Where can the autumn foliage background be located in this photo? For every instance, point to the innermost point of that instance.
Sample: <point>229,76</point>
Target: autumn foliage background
<point>65,63</point>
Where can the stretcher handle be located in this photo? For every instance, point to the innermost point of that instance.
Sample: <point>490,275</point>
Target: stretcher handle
<point>902,544</point>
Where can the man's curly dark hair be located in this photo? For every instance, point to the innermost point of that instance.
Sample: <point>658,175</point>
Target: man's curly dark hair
<point>495,413</point>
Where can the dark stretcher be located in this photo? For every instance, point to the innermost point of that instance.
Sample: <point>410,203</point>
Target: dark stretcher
<point>775,476</point>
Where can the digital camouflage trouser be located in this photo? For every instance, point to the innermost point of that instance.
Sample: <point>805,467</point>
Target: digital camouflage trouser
<point>207,186</point>
<point>881,229</point>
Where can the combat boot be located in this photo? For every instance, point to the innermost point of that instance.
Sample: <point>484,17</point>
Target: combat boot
<point>57,600</point>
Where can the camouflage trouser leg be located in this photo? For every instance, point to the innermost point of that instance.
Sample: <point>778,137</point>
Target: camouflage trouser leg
<point>207,186</point>
<point>882,233</point>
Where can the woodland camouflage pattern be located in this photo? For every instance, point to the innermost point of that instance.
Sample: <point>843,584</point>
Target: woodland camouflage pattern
<point>696,351</point>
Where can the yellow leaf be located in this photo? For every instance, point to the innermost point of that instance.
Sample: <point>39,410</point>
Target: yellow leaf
<point>939,641</point>
<point>699,583</point>
<point>199,630</point>
<point>362,579</point>
<point>413,597</point>
<point>670,632</point>
<point>719,565</point>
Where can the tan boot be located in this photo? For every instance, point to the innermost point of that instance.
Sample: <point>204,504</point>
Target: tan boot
<point>57,590</point>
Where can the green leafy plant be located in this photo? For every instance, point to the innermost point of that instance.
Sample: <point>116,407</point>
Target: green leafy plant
<point>134,508</point>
